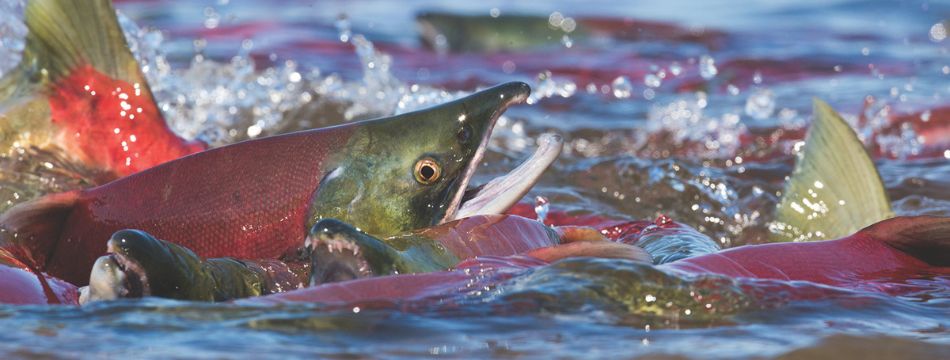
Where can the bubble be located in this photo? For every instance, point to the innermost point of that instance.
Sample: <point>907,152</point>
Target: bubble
<point>676,69</point>
<point>938,32</point>
<point>12,34</point>
<point>622,88</point>
<point>707,67</point>
<point>555,19</point>
<point>567,42</point>
<point>494,12</point>
<point>760,104</point>
<point>652,80</point>
<point>732,89</point>
<point>541,207</point>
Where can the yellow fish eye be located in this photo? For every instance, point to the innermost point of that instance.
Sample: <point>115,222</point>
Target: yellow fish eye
<point>427,171</point>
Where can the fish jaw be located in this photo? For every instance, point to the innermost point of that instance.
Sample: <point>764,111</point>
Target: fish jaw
<point>374,182</point>
<point>115,276</point>
<point>501,193</point>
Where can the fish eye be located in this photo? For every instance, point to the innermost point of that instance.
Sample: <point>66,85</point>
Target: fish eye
<point>427,171</point>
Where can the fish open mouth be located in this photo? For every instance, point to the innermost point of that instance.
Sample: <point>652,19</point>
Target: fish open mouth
<point>115,276</point>
<point>501,193</point>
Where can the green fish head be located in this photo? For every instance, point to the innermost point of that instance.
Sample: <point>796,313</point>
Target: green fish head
<point>410,171</point>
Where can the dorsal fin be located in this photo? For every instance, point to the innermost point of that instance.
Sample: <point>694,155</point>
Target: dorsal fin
<point>79,89</point>
<point>66,34</point>
<point>925,237</point>
<point>835,189</point>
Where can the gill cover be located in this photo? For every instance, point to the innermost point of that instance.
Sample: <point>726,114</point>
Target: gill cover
<point>410,171</point>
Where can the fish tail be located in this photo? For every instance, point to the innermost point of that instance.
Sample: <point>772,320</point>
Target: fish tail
<point>29,231</point>
<point>835,188</point>
<point>924,237</point>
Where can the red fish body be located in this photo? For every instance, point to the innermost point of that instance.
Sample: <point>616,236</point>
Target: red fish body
<point>876,259</point>
<point>248,200</point>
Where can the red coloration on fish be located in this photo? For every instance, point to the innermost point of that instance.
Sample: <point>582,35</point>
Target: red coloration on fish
<point>20,285</point>
<point>112,125</point>
<point>647,30</point>
<point>254,205</point>
<point>470,275</point>
<point>862,261</point>
<point>869,260</point>
<point>490,235</point>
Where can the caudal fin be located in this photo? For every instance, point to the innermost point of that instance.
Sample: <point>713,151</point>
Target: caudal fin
<point>29,231</point>
<point>925,237</point>
<point>835,189</point>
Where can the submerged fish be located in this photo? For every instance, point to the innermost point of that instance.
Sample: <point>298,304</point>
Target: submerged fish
<point>137,260</point>
<point>892,249</point>
<point>832,157</point>
<point>258,198</point>
<point>442,31</point>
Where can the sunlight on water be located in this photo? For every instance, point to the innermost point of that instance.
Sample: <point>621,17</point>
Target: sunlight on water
<point>691,116</point>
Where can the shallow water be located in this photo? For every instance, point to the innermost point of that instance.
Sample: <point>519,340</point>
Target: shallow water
<point>653,126</point>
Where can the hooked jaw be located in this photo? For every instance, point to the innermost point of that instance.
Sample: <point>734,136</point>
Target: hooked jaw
<point>499,99</point>
<point>115,275</point>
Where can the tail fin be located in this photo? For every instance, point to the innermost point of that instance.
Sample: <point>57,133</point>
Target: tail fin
<point>925,237</point>
<point>29,231</point>
<point>835,189</point>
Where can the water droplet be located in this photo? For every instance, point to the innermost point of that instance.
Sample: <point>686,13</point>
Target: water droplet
<point>649,94</point>
<point>760,104</point>
<point>622,87</point>
<point>707,67</point>
<point>567,42</point>
<point>555,19</point>
<point>652,80</point>
<point>757,78</point>
<point>541,207</point>
<point>732,90</point>
<point>676,69</point>
<point>938,32</point>
<point>508,67</point>
<point>494,12</point>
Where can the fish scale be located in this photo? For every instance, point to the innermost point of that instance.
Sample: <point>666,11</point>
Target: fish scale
<point>270,183</point>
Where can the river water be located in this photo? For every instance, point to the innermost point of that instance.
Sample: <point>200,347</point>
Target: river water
<point>666,109</point>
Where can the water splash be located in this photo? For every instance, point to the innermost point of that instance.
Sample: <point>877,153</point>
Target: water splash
<point>760,104</point>
<point>622,88</point>
<point>685,120</point>
<point>12,34</point>
<point>707,67</point>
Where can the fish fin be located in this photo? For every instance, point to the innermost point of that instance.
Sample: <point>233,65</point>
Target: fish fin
<point>835,189</point>
<point>33,227</point>
<point>924,237</point>
<point>66,34</point>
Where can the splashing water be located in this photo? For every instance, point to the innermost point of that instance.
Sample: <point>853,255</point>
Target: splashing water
<point>12,34</point>
<point>679,150</point>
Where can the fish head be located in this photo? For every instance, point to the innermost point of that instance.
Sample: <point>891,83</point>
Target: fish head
<point>138,265</point>
<point>411,171</point>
